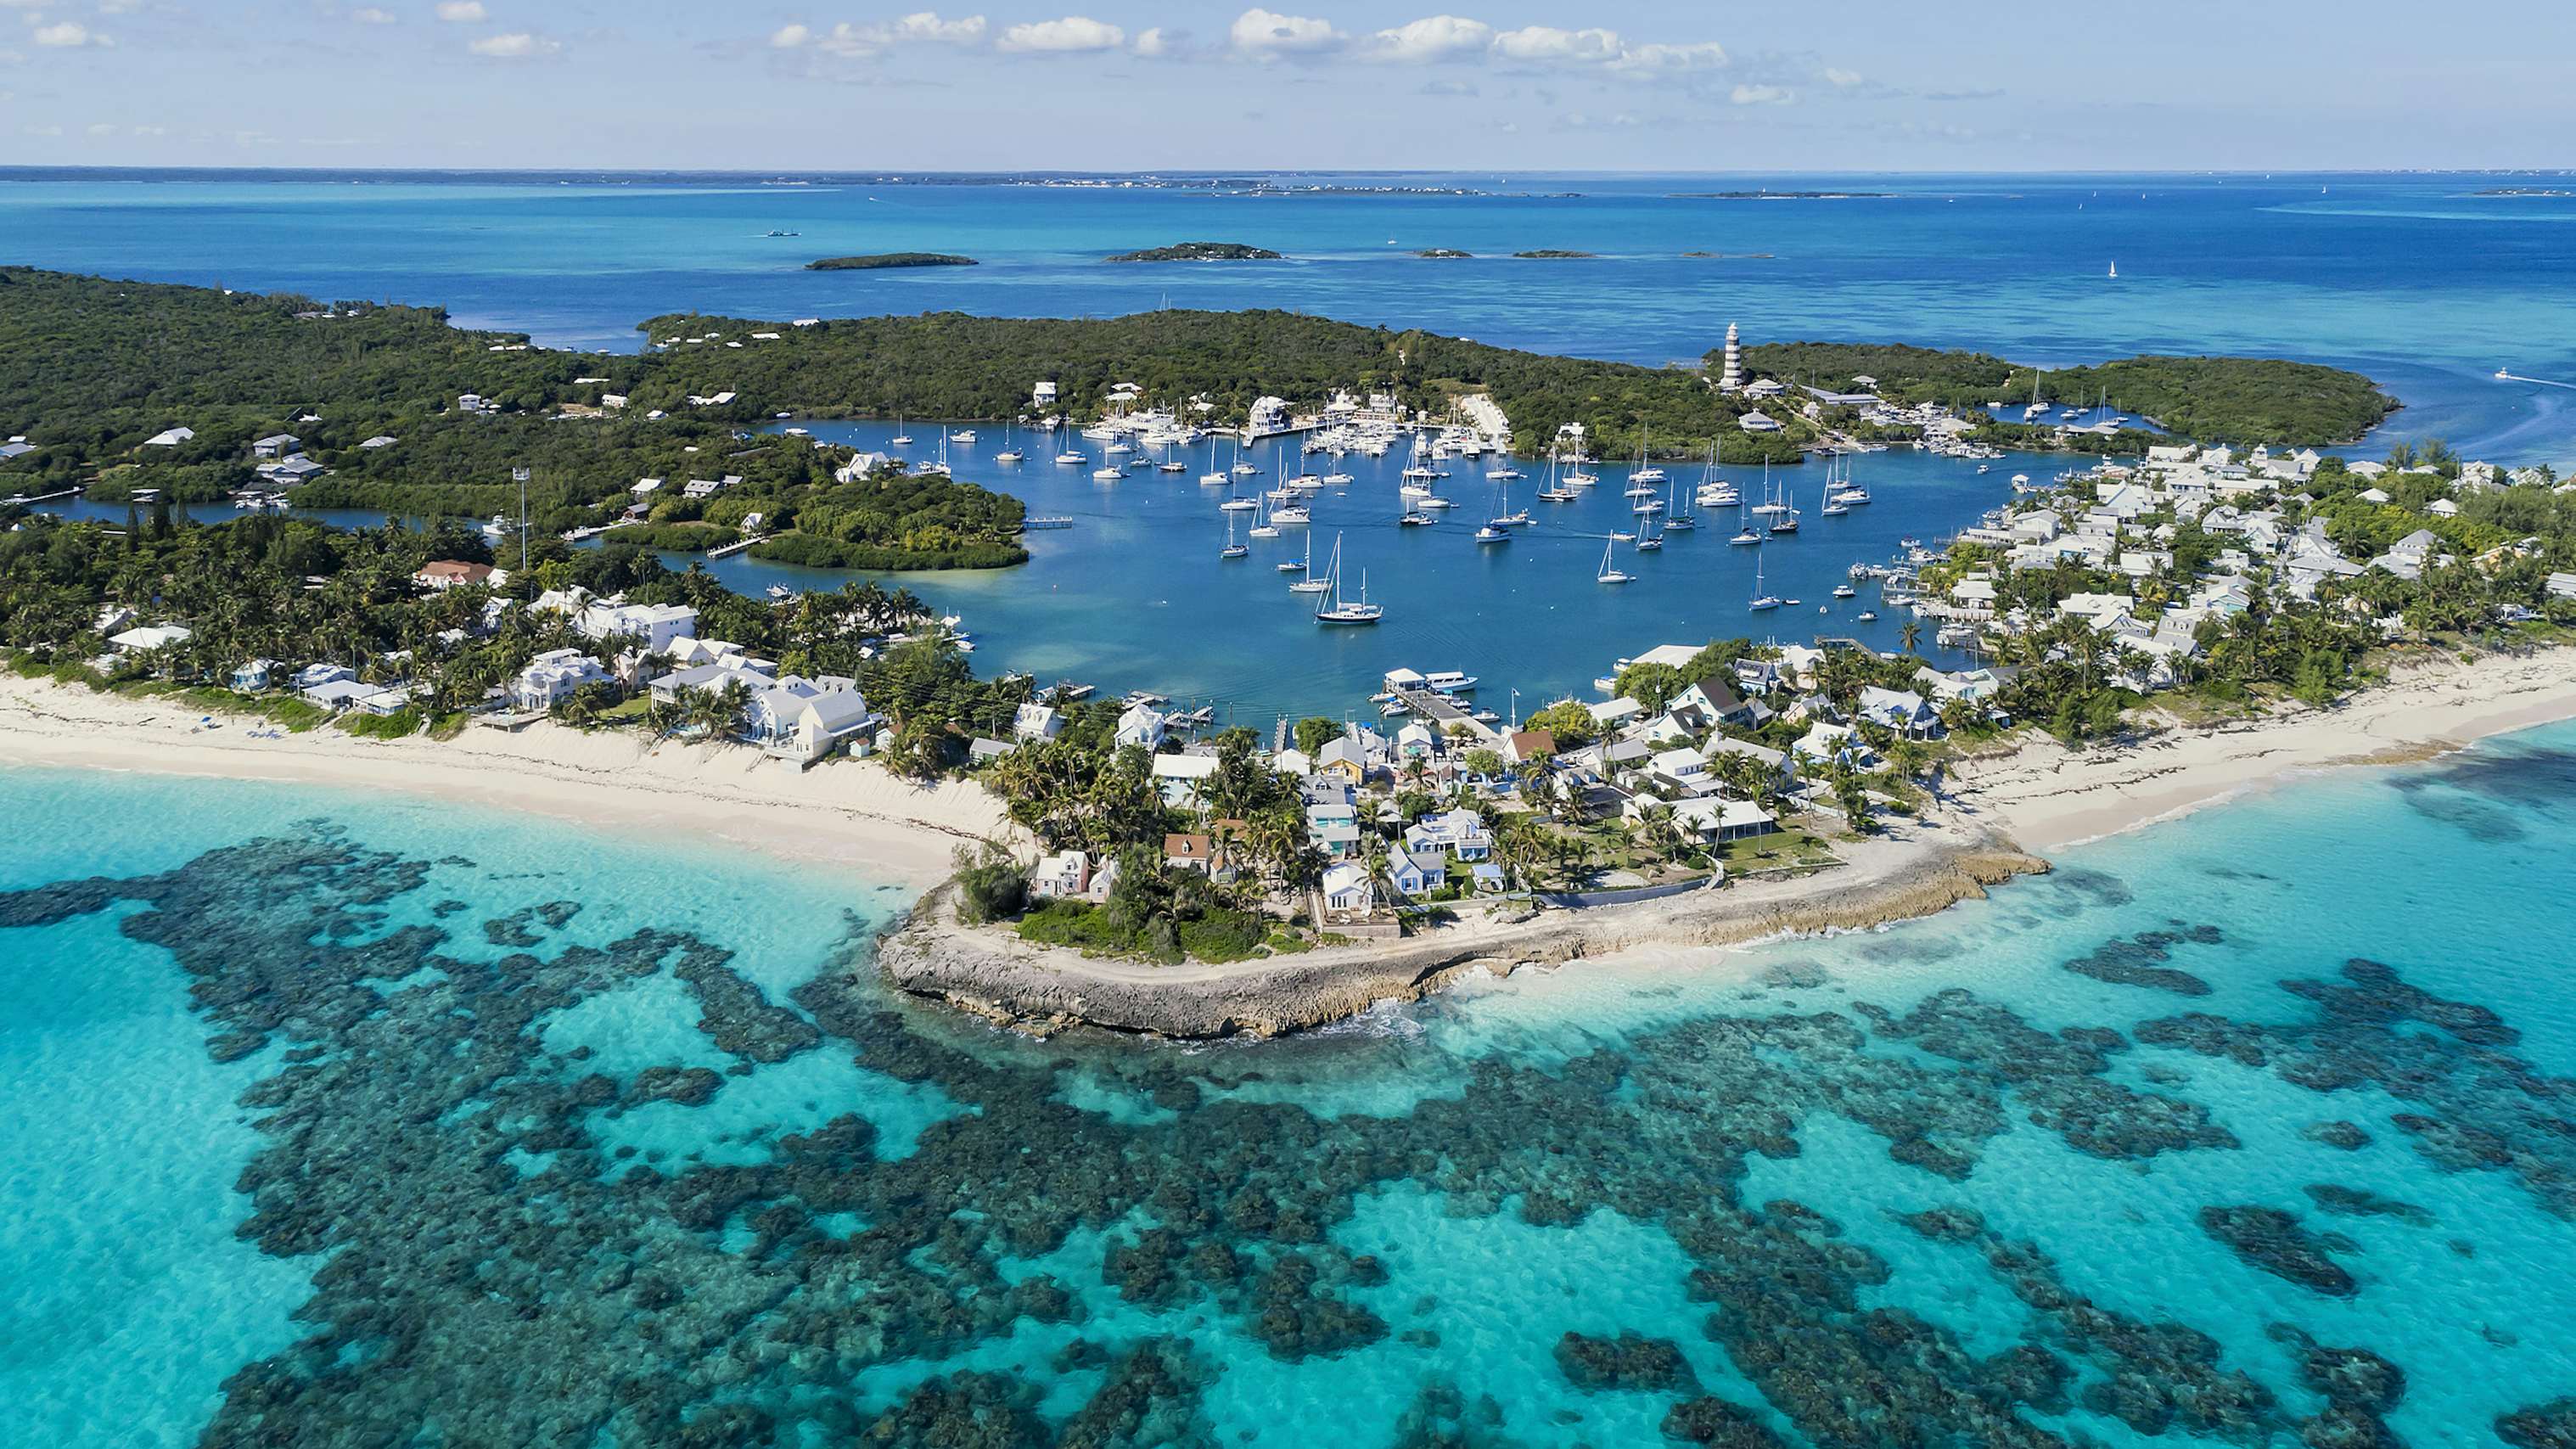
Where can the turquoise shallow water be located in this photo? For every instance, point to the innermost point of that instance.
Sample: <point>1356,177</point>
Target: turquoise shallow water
<point>2250,1128</point>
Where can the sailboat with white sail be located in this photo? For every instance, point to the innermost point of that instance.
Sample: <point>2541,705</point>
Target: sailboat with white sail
<point>1762,601</point>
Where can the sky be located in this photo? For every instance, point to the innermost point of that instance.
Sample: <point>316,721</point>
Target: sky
<point>1145,85</point>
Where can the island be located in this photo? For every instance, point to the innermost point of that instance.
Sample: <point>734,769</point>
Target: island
<point>1553,254</point>
<point>1442,253</point>
<point>1780,195</point>
<point>2243,400</point>
<point>883,260</point>
<point>1200,252</point>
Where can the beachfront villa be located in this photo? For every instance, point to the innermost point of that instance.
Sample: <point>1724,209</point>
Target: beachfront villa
<point>804,720</point>
<point>654,626</point>
<point>551,678</point>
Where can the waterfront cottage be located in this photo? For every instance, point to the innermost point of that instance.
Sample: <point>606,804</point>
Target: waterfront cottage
<point>1191,852</point>
<point>551,677</point>
<point>1345,760</point>
<point>1900,710</point>
<point>277,445</point>
<point>1143,725</point>
<point>1529,746</point>
<point>1063,876</point>
<point>1036,722</point>
<point>149,638</point>
<point>1416,873</point>
<point>1181,777</point>
<point>335,695</point>
<point>1460,834</point>
<point>1347,888</point>
<point>252,677</point>
<point>655,626</point>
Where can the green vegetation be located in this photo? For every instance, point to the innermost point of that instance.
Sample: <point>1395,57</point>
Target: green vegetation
<point>881,260</point>
<point>891,520</point>
<point>1553,254</point>
<point>1200,252</point>
<point>1443,253</point>
<point>2242,400</point>
<point>949,365</point>
<point>90,369</point>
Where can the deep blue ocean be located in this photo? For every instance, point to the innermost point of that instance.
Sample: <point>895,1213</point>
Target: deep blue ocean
<point>2420,281</point>
<point>340,1122</point>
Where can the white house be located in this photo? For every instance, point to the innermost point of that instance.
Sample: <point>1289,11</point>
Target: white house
<point>1144,725</point>
<point>252,676</point>
<point>1715,821</point>
<point>1459,833</point>
<point>149,638</point>
<point>170,439</point>
<point>1063,876</point>
<point>1036,722</point>
<point>1347,888</point>
<point>656,625</point>
<point>551,677</point>
<point>1900,710</point>
<point>1682,771</point>
<point>805,720</point>
<point>335,694</point>
<point>1178,776</point>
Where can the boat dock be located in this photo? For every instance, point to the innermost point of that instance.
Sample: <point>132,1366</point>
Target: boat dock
<point>735,547</point>
<point>1441,711</point>
<point>1030,525</point>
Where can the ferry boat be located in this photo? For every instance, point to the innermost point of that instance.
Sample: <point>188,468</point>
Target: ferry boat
<point>1450,681</point>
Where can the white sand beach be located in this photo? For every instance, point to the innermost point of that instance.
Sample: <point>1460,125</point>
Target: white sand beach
<point>2047,797</point>
<point>847,813</point>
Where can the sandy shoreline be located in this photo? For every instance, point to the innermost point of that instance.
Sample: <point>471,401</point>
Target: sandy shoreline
<point>2038,798</point>
<point>848,814</point>
<point>2048,797</point>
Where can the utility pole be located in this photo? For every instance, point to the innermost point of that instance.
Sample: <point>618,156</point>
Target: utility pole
<point>520,477</point>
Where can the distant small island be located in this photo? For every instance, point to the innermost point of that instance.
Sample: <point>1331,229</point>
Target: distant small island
<point>881,260</point>
<point>1552,255</point>
<point>1781,196</point>
<point>2526,191</point>
<point>1443,253</point>
<point>1200,252</point>
<point>1723,256</point>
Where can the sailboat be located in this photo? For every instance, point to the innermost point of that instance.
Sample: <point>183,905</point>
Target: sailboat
<point>1341,610</point>
<point>1232,548</point>
<point>901,439</point>
<point>2115,271</point>
<point>1213,477</point>
<point>1311,584</point>
<point>1644,472</point>
<point>1770,503</point>
<point>1786,521</point>
<point>1556,492</point>
<point>1676,516</point>
<point>1010,447</point>
<point>1761,600</point>
<point>1609,575</point>
<point>1299,566</point>
<point>1261,525</point>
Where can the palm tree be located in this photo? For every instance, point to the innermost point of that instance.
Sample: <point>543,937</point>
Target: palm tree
<point>1909,634</point>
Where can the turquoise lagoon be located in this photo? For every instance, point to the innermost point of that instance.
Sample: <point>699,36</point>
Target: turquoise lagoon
<point>360,1120</point>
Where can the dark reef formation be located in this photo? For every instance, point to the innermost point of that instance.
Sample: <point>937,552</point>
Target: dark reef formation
<point>482,1261</point>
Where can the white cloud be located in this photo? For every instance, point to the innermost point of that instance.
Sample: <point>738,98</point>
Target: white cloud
<point>373,16</point>
<point>64,35</point>
<point>102,128</point>
<point>1262,34</point>
<point>462,12</point>
<point>1072,34</point>
<point>1762,95</point>
<point>518,45</point>
<point>860,42</point>
<point>1705,55</point>
<point>1845,79</point>
<point>1157,42</point>
<point>1547,43</point>
<point>1436,37</point>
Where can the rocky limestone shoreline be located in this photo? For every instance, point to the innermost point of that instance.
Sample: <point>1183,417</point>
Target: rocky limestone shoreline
<point>1042,990</point>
